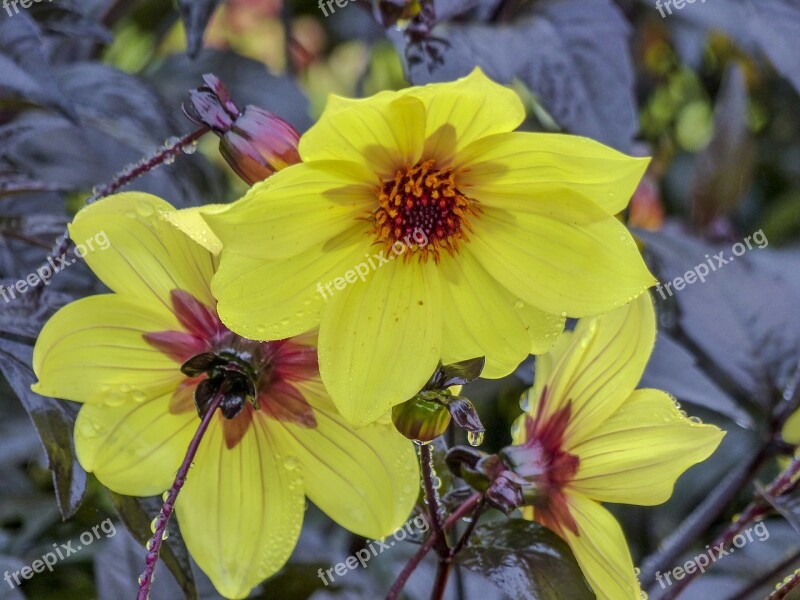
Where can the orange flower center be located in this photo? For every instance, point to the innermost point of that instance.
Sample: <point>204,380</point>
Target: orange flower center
<point>423,211</point>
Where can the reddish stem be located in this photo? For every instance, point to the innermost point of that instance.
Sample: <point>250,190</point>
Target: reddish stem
<point>786,587</point>
<point>460,512</point>
<point>154,546</point>
<point>755,510</point>
<point>171,150</point>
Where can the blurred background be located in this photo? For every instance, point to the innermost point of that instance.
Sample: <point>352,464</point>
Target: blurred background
<point>710,91</point>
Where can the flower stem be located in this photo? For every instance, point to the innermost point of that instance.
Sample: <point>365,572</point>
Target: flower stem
<point>154,546</point>
<point>470,528</point>
<point>749,592</point>
<point>443,569</point>
<point>170,151</point>
<point>785,587</point>
<point>460,512</point>
<point>699,521</point>
<point>426,465</point>
<point>442,548</point>
<point>757,509</point>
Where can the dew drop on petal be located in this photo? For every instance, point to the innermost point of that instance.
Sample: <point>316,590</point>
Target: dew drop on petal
<point>475,438</point>
<point>519,304</point>
<point>145,209</point>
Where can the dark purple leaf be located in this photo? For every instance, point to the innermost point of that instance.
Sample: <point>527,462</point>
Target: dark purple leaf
<point>525,561</point>
<point>54,421</point>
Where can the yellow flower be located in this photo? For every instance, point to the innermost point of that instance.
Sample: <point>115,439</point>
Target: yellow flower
<point>589,436</point>
<point>280,440</point>
<point>420,227</point>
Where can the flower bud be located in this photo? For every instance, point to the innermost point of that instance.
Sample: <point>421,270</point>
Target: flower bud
<point>420,419</point>
<point>255,142</point>
<point>258,144</point>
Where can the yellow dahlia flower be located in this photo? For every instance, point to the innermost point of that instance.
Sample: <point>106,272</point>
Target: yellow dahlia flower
<point>420,227</point>
<point>589,436</point>
<point>121,354</point>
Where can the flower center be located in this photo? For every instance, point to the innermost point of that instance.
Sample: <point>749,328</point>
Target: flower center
<point>251,375</point>
<point>423,210</point>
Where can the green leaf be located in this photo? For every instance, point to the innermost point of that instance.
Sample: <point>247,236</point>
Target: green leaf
<point>138,514</point>
<point>525,561</point>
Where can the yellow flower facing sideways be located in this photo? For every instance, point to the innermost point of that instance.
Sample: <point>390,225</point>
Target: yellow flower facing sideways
<point>589,436</point>
<point>279,440</point>
<point>420,227</point>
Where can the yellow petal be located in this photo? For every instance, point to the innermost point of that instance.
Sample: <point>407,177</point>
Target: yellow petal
<point>380,340</point>
<point>142,255</point>
<point>600,368</point>
<point>465,110</point>
<point>480,318</point>
<point>275,299</point>
<point>559,266</point>
<point>365,480</point>
<point>548,172</point>
<point>135,448</point>
<point>543,328</point>
<point>92,350</point>
<point>636,456</point>
<point>300,207</point>
<point>241,510</point>
<point>791,429</point>
<point>382,133</point>
<point>601,551</point>
<point>191,222</point>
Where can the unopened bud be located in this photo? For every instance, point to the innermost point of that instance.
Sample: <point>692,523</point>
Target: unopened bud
<point>420,419</point>
<point>258,144</point>
<point>255,142</point>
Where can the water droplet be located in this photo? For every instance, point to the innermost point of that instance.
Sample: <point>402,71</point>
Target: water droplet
<point>519,304</point>
<point>190,148</point>
<point>475,438</point>
<point>170,142</point>
<point>154,524</point>
<point>139,395</point>
<point>696,420</point>
<point>165,495</point>
<point>149,544</point>
<point>169,159</point>
<point>165,535</point>
<point>145,209</point>
<point>86,428</point>
<point>564,313</point>
<point>291,463</point>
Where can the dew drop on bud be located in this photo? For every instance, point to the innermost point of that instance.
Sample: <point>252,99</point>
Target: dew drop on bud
<point>475,438</point>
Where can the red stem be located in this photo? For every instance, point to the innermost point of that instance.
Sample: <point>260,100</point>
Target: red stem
<point>460,512</point>
<point>170,150</point>
<point>154,546</point>
<point>755,510</point>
